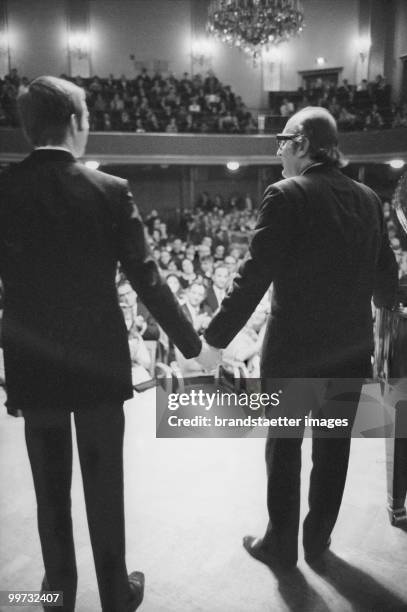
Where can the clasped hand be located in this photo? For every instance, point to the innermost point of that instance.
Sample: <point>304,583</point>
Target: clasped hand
<point>209,357</point>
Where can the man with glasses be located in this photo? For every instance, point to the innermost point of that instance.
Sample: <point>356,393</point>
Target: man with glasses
<point>321,240</point>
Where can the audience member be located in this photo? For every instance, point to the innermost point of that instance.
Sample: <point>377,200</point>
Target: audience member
<point>194,308</point>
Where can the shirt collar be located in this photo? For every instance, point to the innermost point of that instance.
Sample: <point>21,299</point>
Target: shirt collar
<point>192,309</point>
<point>218,291</point>
<point>54,148</point>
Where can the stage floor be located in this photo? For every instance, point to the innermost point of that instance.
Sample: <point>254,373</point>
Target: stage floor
<point>188,504</point>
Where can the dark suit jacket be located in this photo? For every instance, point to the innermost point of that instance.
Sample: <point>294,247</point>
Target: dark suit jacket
<point>320,238</point>
<point>63,228</point>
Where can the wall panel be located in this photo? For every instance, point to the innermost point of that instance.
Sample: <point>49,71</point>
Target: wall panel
<point>147,29</point>
<point>38,37</point>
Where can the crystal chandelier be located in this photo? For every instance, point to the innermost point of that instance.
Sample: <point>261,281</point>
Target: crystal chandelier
<point>253,24</point>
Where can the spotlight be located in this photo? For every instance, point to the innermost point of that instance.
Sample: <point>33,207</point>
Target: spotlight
<point>396,163</point>
<point>92,164</point>
<point>233,166</point>
<point>320,61</point>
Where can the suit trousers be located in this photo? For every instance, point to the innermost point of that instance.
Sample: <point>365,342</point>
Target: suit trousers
<point>99,432</point>
<point>330,457</point>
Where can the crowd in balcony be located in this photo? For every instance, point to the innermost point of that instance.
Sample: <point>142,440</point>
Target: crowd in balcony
<point>367,106</point>
<point>149,103</point>
<point>196,104</point>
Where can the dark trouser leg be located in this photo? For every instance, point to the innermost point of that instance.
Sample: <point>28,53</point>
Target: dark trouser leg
<point>49,445</point>
<point>100,431</point>
<point>283,460</point>
<point>330,458</point>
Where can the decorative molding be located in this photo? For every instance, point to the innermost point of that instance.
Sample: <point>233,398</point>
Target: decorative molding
<point>204,149</point>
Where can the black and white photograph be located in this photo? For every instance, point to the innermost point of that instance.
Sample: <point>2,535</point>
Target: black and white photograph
<point>203,305</point>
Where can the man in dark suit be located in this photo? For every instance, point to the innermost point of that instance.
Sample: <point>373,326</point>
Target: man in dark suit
<point>63,229</point>
<point>321,240</point>
<point>194,308</point>
<point>217,291</point>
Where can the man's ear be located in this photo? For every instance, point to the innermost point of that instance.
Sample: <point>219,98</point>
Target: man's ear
<point>75,124</point>
<point>303,147</point>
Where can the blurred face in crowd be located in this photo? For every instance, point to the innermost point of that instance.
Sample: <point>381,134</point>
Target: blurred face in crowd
<point>187,266</point>
<point>207,265</point>
<point>230,263</point>
<point>190,252</point>
<point>156,235</point>
<point>196,294</point>
<point>204,250</point>
<point>165,257</point>
<point>177,245</point>
<point>235,253</point>
<point>173,283</point>
<point>156,254</point>
<point>220,251</point>
<point>172,266</point>
<point>221,277</point>
<point>207,240</point>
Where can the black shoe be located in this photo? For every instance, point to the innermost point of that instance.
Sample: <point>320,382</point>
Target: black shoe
<point>256,548</point>
<point>136,584</point>
<point>316,555</point>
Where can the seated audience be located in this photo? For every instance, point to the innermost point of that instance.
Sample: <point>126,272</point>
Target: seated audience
<point>148,104</point>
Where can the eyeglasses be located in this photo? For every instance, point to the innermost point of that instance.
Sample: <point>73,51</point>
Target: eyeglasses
<point>283,138</point>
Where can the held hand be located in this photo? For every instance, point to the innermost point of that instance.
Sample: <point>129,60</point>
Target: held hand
<point>204,321</point>
<point>209,357</point>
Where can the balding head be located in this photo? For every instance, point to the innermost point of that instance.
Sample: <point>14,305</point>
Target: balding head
<point>319,128</point>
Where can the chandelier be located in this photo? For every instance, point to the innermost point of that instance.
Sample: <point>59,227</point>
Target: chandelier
<point>253,24</point>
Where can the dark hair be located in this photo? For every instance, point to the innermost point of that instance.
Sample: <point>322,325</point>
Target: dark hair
<point>207,258</point>
<point>319,127</point>
<point>46,108</point>
<point>221,264</point>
